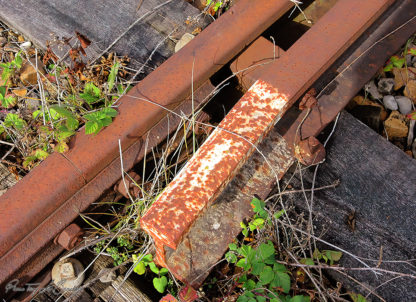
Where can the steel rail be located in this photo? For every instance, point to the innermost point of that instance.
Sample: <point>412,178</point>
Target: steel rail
<point>230,145</point>
<point>198,253</point>
<point>72,181</point>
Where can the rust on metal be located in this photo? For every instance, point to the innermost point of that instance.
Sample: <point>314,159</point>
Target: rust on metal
<point>199,250</point>
<point>128,187</point>
<point>198,253</point>
<point>47,190</point>
<point>229,146</point>
<point>309,100</point>
<point>214,164</point>
<point>310,151</point>
<point>69,237</point>
<point>249,65</point>
<point>48,229</point>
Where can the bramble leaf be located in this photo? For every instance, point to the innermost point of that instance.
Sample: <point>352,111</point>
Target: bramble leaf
<point>267,275</point>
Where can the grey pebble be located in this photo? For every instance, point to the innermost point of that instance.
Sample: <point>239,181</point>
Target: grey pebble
<point>385,85</point>
<point>405,104</point>
<point>390,102</point>
<point>371,88</point>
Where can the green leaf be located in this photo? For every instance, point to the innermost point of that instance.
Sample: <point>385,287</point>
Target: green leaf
<point>160,284</point>
<point>389,67</point>
<point>412,51</point>
<point>112,76</point>
<point>258,207</point>
<point>8,101</point>
<point>232,246</point>
<point>18,60</point>
<point>261,299</point>
<point>13,120</point>
<point>281,280</point>
<point>249,285</point>
<point>307,261</point>
<point>278,267</point>
<point>278,214</point>
<point>357,297</point>
<point>299,299</point>
<point>231,257</point>
<point>332,255</point>
<point>140,268</point>
<point>317,254</point>
<point>28,160</point>
<point>90,99</point>
<point>91,127</point>
<point>163,271</point>
<point>72,123</point>
<point>266,250</point>
<point>41,154</point>
<point>154,268</point>
<point>61,147</point>
<point>267,275</point>
<point>92,90</point>
<point>397,62</point>
<point>258,267</point>
<point>243,263</point>
<point>3,90</point>
<point>109,111</point>
<point>62,111</point>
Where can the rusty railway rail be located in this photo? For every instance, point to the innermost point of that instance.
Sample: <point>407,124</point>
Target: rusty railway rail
<point>34,214</point>
<point>279,86</point>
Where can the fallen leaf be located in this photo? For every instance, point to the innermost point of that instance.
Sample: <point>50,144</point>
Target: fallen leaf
<point>410,90</point>
<point>402,76</point>
<point>20,92</point>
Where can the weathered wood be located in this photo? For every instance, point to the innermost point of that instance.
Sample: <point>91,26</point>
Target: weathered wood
<point>117,290</point>
<point>378,185</point>
<point>7,179</point>
<point>102,22</point>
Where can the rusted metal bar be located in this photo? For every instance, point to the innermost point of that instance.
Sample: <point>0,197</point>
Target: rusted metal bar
<point>198,253</point>
<point>95,159</point>
<point>41,193</point>
<point>51,227</point>
<point>229,146</point>
<point>250,64</point>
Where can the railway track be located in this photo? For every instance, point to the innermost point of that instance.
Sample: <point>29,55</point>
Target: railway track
<point>335,58</point>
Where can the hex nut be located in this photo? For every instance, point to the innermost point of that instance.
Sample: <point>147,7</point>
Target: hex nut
<point>69,237</point>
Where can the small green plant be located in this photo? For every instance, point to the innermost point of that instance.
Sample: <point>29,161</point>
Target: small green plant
<point>263,278</point>
<point>13,120</point>
<point>99,119</point>
<point>357,297</point>
<point>216,4</point>
<point>6,101</point>
<point>327,255</point>
<point>9,68</point>
<point>394,62</point>
<point>261,217</point>
<point>161,281</point>
<point>118,257</point>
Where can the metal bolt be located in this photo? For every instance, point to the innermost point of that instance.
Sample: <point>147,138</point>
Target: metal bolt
<point>69,237</point>
<point>308,101</point>
<point>310,151</point>
<point>132,188</point>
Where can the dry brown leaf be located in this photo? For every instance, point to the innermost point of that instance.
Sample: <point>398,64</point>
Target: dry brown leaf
<point>410,90</point>
<point>20,92</point>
